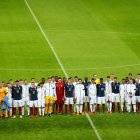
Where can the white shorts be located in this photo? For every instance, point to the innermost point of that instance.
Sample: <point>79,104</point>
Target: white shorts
<point>115,97</point>
<point>132,100</point>
<point>41,103</point>
<point>101,100</point>
<point>138,99</point>
<point>33,103</point>
<point>79,100</point>
<point>25,101</point>
<point>69,100</point>
<point>122,99</point>
<point>108,97</point>
<point>10,103</point>
<point>17,103</point>
<point>93,100</point>
<point>86,99</point>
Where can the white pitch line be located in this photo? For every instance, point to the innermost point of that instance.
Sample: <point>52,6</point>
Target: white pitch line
<point>68,69</point>
<point>47,40</point>
<point>93,127</point>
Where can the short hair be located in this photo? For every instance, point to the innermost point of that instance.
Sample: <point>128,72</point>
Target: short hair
<point>17,81</point>
<point>130,74</point>
<point>108,76</point>
<point>79,79</point>
<point>101,79</point>
<point>92,79</point>
<point>75,76</point>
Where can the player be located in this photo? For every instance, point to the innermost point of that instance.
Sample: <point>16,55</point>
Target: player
<point>25,97</point>
<point>101,95</point>
<point>86,83</point>
<point>123,94</point>
<point>108,94</point>
<point>17,99</point>
<point>115,94</point>
<point>97,80</point>
<point>69,95</point>
<point>2,94</point>
<point>50,96</point>
<point>92,94</point>
<point>41,99</point>
<point>75,83</point>
<point>33,96</point>
<point>60,96</point>
<point>137,95</point>
<point>10,100</point>
<point>79,96</point>
<point>131,89</point>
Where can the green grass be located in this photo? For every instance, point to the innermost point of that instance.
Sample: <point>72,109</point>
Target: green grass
<point>89,36</point>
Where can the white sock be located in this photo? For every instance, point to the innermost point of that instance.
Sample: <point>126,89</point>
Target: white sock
<point>129,106</point>
<point>91,107</point>
<point>28,109</point>
<point>134,107</point>
<point>43,111</point>
<point>81,108</point>
<point>122,105</point>
<point>10,112</point>
<point>77,108</point>
<point>40,111</point>
<point>110,104</point>
<point>22,111</point>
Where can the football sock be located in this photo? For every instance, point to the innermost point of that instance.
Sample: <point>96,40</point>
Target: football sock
<point>40,111</point>
<point>43,111</point>
<point>91,108</point>
<point>81,108</point>
<point>78,109</point>
<point>134,107</point>
<point>10,112</point>
<point>23,111</point>
<point>88,107</point>
<point>66,109</point>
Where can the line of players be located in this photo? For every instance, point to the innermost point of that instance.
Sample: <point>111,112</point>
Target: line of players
<point>48,97</point>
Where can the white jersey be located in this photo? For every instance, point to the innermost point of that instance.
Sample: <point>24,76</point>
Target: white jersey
<point>123,91</point>
<point>9,90</point>
<point>25,91</point>
<point>41,93</point>
<point>92,90</point>
<point>79,91</point>
<point>131,88</point>
<point>50,89</point>
<point>75,83</point>
<point>108,88</point>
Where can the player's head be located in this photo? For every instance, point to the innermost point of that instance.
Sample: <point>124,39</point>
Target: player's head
<point>130,75</point>
<point>130,81</point>
<point>59,80</point>
<point>43,79</point>
<point>123,81</point>
<point>76,78</point>
<point>69,80</point>
<point>93,81</point>
<point>9,85</point>
<point>137,81</point>
<point>79,80</point>
<point>25,82</point>
<point>86,79</point>
<point>41,84</point>
<point>108,78</point>
<point>33,84</point>
<point>138,75</point>
<point>112,76</point>
<point>49,80</point>
<point>101,80</point>
<point>11,82</point>
<point>115,79</point>
<point>64,79</point>
<point>53,79</point>
<point>32,80</point>
<point>17,82</point>
<point>95,76</point>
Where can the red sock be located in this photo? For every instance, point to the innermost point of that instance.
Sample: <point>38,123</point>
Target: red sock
<point>138,106</point>
<point>98,107</point>
<point>70,108</point>
<point>31,111</point>
<point>66,109</point>
<point>118,105</point>
<point>61,107</point>
<point>14,111</point>
<point>83,107</point>
<point>113,107</point>
<point>36,111</point>
<point>103,107</point>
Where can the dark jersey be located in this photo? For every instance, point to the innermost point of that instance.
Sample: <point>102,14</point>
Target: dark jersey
<point>137,90</point>
<point>17,92</point>
<point>33,94</point>
<point>115,88</point>
<point>101,90</point>
<point>69,90</point>
<point>86,84</point>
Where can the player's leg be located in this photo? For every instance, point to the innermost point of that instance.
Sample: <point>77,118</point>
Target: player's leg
<point>103,104</point>
<point>138,103</point>
<point>113,102</point>
<point>36,108</point>
<point>129,104</point>
<point>134,103</point>
<point>78,106</point>
<point>46,104</point>
<point>70,105</point>
<point>20,105</point>
<point>51,101</point>
<point>122,103</point>
<point>39,107</point>
<point>31,108</point>
<point>10,107</point>
<point>43,108</point>
<point>83,110</point>
<point>66,105</point>
<point>14,108</point>
<point>98,103</point>
<point>81,105</point>
<point>23,106</point>
<point>118,102</point>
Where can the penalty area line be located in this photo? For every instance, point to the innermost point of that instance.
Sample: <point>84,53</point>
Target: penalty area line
<point>93,127</point>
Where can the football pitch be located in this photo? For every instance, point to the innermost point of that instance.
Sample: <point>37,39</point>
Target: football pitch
<point>87,37</point>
